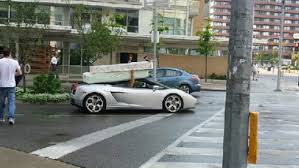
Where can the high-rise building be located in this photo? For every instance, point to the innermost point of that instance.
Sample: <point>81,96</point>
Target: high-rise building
<point>180,17</point>
<point>267,21</point>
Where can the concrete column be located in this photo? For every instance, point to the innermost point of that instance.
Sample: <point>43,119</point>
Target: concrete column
<point>66,58</point>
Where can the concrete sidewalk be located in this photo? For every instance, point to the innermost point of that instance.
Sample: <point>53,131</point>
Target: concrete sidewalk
<point>15,159</point>
<point>213,85</point>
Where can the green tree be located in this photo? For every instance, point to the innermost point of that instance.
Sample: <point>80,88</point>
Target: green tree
<point>206,45</point>
<point>162,27</point>
<point>24,30</point>
<point>101,38</point>
<point>270,57</point>
<point>295,58</point>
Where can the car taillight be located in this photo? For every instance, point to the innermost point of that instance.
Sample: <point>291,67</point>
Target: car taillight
<point>74,87</point>
<point>195,77</point>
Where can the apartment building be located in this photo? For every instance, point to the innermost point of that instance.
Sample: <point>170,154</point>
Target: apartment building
<point>179,17</point>
<point>267,18</point>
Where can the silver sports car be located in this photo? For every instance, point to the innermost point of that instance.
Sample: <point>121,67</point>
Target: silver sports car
<point>146,94</point>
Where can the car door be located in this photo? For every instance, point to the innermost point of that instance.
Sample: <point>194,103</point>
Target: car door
<point>144,98</point>
<point>160,75</point>
<point>172,78</point>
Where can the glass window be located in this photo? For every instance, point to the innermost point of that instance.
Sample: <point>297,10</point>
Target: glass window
<point>129,19</point>
<point>43,15</point>
<point>160,73</point>
<point>172,51</point>
<point>59,16</point>
<point>133,21</point>
<point>3,12</point>
<point>172,73</point>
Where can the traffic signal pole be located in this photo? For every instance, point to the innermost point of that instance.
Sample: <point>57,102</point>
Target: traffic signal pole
<point>235,146</point>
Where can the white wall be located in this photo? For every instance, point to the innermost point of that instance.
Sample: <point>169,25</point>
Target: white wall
<point>145,20</point>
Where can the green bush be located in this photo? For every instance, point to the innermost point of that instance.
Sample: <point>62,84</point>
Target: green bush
<point>217,77</point>
<point>46,84</point>
<point>44,98</point>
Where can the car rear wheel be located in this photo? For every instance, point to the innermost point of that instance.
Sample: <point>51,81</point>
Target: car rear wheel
<point>172,103</point>
<point>185,88</point>
<point>94,103</point>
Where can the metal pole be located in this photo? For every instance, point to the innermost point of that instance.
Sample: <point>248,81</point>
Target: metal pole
<point>235,146</point>
<point>280,47</point>
<point>155,38</point>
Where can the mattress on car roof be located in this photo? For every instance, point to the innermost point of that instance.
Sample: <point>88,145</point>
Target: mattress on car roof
<point>108,77</point>
<point>144,65</point>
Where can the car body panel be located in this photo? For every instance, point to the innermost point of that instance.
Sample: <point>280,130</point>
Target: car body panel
<point>130,98</point>
<point>175,78</point>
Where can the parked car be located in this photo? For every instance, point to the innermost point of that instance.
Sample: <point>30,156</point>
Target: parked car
<point>146,94</point>
<point>177,78</point>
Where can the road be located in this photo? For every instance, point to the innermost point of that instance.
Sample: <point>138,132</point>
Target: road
<point>153,139</point>
<point>40,126</point>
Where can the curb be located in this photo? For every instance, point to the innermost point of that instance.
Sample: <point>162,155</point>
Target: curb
<point>215,90</point>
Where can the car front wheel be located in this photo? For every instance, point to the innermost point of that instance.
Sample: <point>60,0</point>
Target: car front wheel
<point>185,88</point>
<point>172,103</point>
<point>94,103</point>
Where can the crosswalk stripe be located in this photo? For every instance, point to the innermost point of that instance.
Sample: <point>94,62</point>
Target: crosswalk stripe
<point>194,151</point>
<point>210,130</point>
<point>211,165</point>
<point>61,149</point>
<point>203,139</point>
<point>158,156</point>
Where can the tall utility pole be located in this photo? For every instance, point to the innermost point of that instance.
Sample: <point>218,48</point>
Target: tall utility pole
<point>235,145</point>
<point>280,46</point>
<point>155,39</point>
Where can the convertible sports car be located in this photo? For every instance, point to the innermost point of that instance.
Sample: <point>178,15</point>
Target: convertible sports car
<point>146,94</point>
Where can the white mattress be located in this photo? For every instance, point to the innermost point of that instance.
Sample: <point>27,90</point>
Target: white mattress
<point>108,77</point>
<point>144,65</point>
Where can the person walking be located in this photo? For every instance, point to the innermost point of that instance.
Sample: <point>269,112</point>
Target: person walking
<point>53,65</point>
<point>9,68</point>
<point>254,72</point>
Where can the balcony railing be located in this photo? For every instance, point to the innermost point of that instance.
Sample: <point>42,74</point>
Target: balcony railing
<point>268,3</point>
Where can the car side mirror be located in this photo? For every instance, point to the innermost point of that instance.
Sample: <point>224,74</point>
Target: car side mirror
<point>156,88</point>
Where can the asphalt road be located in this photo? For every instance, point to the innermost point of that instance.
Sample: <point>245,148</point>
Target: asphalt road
<point>153,139</point>
<point>41,126</point>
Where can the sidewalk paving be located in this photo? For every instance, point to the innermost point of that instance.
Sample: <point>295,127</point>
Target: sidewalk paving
<point>15,159</point>
<point>213,85</point>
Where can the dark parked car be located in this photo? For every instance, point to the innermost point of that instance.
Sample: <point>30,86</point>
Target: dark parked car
<point>177,78</point>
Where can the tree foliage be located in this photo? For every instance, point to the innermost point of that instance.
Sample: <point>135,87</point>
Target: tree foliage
<point>270,57</point>
<point>206,45</point>
<point>25,29</point>
<point>98,38</point>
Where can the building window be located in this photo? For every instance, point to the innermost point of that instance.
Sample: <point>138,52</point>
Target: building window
<point>175,26</point>
<point>129,19</point>
<point>58,16</point>
<point>44,14</point>
<point>3,12</point>
<point>287,28</point>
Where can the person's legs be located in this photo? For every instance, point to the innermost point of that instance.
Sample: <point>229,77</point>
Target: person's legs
<point>2,102</point>
<point>11,102</point>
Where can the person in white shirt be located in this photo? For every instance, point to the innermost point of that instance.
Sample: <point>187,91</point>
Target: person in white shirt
<point>254,71</point>
<point>9,68</point>
<point>53,65</point>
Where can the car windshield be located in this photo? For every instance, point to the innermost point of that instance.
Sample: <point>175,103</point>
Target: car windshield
<point>150,81</point>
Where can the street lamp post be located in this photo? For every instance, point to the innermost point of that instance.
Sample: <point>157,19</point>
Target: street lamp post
<point>280,47</point>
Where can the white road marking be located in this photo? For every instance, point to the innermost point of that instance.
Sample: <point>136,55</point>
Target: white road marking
<point>211,165</point>
<point>194,151</point>
<point>217,140</point>
<point>154,159</point>
<point>61,149</point>
<point>210,130</point>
